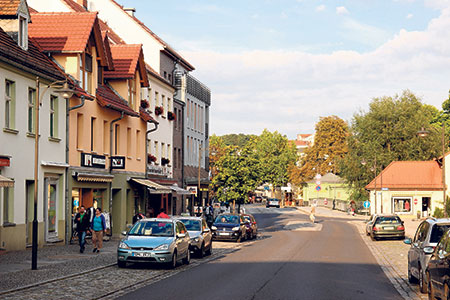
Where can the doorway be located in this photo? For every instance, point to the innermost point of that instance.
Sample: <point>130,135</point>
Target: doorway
<point>425,206</point>
<point>29,209</point>
<point>51,209</point>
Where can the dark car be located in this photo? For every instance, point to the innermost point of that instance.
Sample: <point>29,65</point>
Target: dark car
<point>251,225</point>
<point>438,270</point>
<point>229,227</point>
<point>387,226</point>
<point>258,199</point>
<point>423,244</point>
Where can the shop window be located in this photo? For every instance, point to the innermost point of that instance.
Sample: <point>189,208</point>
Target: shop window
<point>402,204</point>
<point>8,204</point>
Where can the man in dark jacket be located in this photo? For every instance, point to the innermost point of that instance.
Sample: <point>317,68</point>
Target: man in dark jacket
<point>83,224</point>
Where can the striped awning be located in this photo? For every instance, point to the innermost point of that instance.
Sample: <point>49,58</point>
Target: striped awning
<point>179,190</point>
<point>94,177</point>
<point>153,187</point>
<point>6,182</point>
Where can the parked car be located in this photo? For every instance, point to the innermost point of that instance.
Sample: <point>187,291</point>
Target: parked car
<point>251,226</point>
<point>272,202</point>
<point>428,234</point>
<point>155,240</point>
<point>200,234</point>
<point>438,270</point>
<point>229,227</point>
<point>258,199</point>
<point>387,226</point>
<point>369,224</point>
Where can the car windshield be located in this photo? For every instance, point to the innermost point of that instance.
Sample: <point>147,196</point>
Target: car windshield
<point>152,228</point>
<point>191,225</point>
<point>388,220</point>
<point>437,232</point>
<point>227,219</point>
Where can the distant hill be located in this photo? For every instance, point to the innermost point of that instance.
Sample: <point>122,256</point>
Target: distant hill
<point>237,139</point>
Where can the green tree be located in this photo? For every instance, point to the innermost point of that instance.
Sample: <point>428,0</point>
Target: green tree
<point>239,140</point>
<point>386,133</point>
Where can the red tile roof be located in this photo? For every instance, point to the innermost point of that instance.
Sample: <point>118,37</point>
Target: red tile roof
<point>9,7</point>
<point>146,116</point>
<point>166,46</point>
<point>106,97</point>
<point>409,175</point>
<point>31,60</point>
<point>62,31</point>
<point>302,143</point>
<point>125,58</point>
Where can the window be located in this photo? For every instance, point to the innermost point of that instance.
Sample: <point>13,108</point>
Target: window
<point>23,33</point>
<point>8,204</point>
<point>165,74</point>
<point>80,130</point>
<point>10,104</point>
<point>117,139</point>
<point>138,143</point>
<point>156,98</point>
<point>180,161</point>
<point>168,153</point>
<point>163,150</point>
<point>128,141</point>
<point>105,137</point>
<point>88,72</point>
<point>402,204</point>
<point>93,133</point>
<point>31,101</point>
<point>175,162</point>
<point>156,150</point>
<point>169,104</point>
<point>53,116</point>
<point>99,74</point>
<point>132,93</point>
<point>163,102</point>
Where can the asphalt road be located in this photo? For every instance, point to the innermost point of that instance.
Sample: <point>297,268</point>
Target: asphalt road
<point>333,263</point>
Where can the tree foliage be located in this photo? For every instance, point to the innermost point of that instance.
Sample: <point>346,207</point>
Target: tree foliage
<point>386,133</point>
<point>239,140</point>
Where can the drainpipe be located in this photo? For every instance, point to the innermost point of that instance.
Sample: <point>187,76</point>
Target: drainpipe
<point>111,129</point>
<point>146,160</point>
<point>68,202</point>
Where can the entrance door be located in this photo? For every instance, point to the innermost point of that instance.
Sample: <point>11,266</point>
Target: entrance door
<point>51,225</point>
<point>425,206</point>
<point>29,209</point>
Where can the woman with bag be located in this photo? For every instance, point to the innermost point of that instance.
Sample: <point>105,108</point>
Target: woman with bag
<point>98,226</point>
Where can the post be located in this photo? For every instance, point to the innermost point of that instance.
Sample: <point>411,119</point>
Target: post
<point>36,174</point>
<point>375,170</point>
<point>199,161</point>
<point>444,186</point>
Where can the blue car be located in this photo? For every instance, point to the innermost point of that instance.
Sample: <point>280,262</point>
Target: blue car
<point>157,241</point>
<point>229,227</point>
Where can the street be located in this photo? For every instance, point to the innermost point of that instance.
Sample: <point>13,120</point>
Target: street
<point>333,263</point>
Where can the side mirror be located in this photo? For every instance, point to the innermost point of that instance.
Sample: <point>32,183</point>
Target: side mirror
<point>181,235</point>
<point>124,233</point>
<point>428,250</point>
<point>407,241</point>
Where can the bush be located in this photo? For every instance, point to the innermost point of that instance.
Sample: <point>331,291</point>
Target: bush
<point>439,212</point>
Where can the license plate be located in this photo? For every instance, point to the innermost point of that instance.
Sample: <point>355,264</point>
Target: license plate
<point>389,228</point>
<point>224,233</point>
<point>141,254</point>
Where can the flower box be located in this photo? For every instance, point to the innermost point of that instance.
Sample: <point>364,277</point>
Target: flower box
<point>159,110</point>
<point>165,161</point>
<point>151,158</point>
<point>145,104</point>
<point>171,116</point>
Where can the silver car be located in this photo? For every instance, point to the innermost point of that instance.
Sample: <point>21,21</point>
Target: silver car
<point>423,244</point>
<point>155,240</point>
<point>201,236</point>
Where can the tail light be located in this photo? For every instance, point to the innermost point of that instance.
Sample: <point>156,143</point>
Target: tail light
<point>254,223</point>
<point>374,228</point>
<point>400,227</point>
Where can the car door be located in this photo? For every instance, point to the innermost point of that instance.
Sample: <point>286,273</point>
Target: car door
<point>206,232</point>
<point>413,253</point>
<point>443,266</point>
<point>436,265</point>
<point>184,244</point>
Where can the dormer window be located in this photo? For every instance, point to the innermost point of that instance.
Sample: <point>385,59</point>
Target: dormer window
<point>23,33</point>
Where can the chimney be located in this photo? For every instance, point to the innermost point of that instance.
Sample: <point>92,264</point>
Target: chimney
<point>130,10</point>
<point>83,3</point>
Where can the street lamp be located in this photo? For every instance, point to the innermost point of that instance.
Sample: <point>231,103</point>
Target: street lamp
<point>424,133</point>
<point>66,92</point>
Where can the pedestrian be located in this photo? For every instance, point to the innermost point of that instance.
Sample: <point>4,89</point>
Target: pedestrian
<point>334,204</point>
<point>82,221</point>
<point>98,226</point>
<point>138,216</point>
<point>312,216</point>
<point>209,214</point>
<point>162,214</point>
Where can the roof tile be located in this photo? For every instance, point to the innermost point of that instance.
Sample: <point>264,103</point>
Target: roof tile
<point>125,59</point>
<point>106,97</point>
<point>9,7</point>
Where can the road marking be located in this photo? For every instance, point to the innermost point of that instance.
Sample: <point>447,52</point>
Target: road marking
<point>302,226</point>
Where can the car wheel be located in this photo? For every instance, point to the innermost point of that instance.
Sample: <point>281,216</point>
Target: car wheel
<point>201,252</point>
<point>187,259</point>
<point>173,263</point>
<point>209,251</point>
<point>411,278</point>
<point>121,264</point>
<point>430,288</point>
<point>422,284</point>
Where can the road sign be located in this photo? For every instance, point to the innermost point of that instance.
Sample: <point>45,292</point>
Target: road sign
<point>325,202</point>
<point>318,182</point>
<point>366,204</point>
<point>415,201</point>
<point>318,176</point>
<point>318,188</point>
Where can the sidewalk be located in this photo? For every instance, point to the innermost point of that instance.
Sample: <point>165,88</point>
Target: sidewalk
<point>54,262</point>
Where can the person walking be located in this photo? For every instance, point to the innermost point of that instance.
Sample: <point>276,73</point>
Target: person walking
<point>98,226</point>
<point>312,216</point>
<point>82,221</point>
<point>162,214</point>
<point>209,215</point>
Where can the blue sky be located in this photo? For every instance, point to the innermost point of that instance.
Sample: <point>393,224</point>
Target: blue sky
<point>283,64</point>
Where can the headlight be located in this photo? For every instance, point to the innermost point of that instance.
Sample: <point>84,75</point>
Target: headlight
<point>235,228</point>
<point>195,239</point>
<point>213,227</point>
<point>162,247</point>
<point>122,245</point>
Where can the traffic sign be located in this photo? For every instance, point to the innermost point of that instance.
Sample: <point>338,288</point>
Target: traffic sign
<point>318,176</point>
<point>318,188</point>
<point>366,204</point>
<point>318,182</point>
<point>415,201</point>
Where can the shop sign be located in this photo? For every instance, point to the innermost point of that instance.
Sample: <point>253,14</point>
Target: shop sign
<point>93,160</point>
<point>4,161</point>
<point>192,190</point>
<point>158,170</point>
<point>117,162</point>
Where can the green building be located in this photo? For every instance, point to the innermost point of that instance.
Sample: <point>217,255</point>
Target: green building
<point>332,187</point>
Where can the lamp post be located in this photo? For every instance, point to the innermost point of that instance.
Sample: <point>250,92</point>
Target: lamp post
<point>66,93</point>
<point>424,133</point>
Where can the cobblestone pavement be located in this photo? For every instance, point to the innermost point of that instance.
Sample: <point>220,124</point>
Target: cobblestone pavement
<point>111,282</point>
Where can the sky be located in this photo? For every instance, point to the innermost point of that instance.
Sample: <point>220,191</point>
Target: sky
<point>283,64</point>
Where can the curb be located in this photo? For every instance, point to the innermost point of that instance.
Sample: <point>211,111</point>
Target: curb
<point>357,217</point>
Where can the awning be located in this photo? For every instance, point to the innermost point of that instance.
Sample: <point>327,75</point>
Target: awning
<point>6,182</point>
<point>179,190</point>
<point>154,188</point>
<point>94,177</point>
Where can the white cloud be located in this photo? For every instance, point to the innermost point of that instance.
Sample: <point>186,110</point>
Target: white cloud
<point>321,7</point>
<point>363,33</point>
<point>341,10</point>
<point>437,4</point>
<point>409,16</point>
<point>289,90</point>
